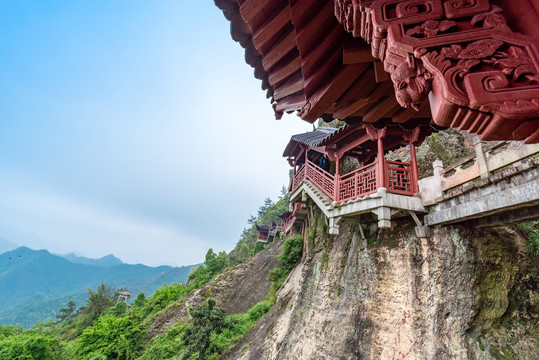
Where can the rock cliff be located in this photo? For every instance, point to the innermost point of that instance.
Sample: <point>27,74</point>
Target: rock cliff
<point>460,294</point>
<point>236,290</point>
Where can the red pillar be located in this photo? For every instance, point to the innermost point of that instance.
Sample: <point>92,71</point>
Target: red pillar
<point>337,178</point>
<point>415,174</point>
<point>381,176</point>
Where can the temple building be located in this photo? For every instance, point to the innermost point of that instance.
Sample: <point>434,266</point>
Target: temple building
<point>267,233</point>
<point>377,185</point>
<point>123,295</point>
<point>393,71</point>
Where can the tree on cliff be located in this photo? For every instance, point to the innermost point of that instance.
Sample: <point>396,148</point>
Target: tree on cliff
<point>207,320</point>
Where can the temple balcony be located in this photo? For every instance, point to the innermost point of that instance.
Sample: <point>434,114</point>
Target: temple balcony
<point>357,193</point>
<point>382,187</point>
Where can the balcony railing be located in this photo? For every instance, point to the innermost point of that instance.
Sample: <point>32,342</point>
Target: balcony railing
<point>363,181</point>
<point>399,177</point>
<point>357,183</point>
<point>321,178</point>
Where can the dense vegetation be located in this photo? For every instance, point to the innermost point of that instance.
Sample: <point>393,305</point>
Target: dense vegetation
<point>531,231</point>
<point>102,329</point>
<point>36,283</point>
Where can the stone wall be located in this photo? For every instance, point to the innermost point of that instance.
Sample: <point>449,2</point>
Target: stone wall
<point>458,295</point>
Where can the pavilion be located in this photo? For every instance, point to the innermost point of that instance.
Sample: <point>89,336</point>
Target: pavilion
<point>378,185</point>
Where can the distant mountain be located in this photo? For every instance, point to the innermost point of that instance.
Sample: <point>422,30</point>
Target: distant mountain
<point>105,261</point>
<point>6,245</point>
<point>36,283</point>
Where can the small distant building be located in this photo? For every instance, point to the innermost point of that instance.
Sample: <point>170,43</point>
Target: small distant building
<point>123,295</point>
<point>267,233</point>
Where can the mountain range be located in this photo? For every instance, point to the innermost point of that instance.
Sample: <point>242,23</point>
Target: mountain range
<point>36,283</point>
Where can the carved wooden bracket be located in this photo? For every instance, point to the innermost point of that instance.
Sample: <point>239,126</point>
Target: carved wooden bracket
<point>478,74</point>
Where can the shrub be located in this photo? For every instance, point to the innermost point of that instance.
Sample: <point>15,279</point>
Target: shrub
<point>29,346</point>
<point>112,338</point>
<point>291,253</point>
<point>531,230</point>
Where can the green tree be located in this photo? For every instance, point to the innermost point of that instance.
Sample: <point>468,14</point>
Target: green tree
<point>140,300</point>
<point>207,320</point>
<point>68,312</point>
<point>100,300</point>
<point>28,346</point>
<point>112,338</point>
<point>215,263</point>
<point>97,303</point>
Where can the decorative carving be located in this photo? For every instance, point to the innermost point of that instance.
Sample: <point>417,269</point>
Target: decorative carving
<point>411,82</point>
<point>462,8</point>
<point>482,76</point>
<point>431,28</point>
<point>344,12</point>
<point>491,19</point>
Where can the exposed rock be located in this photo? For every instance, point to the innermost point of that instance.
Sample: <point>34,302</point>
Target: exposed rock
<point>236,290</point>
<point>457,295</point>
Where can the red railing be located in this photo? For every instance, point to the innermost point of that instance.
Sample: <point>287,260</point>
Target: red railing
<point>360,182</point>
<point>322,179</point>
<point>357,183</point>
<point>399,177</point>
<point>299,177</point>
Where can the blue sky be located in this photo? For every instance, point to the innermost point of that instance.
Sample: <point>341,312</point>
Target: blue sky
<point>133,128</point>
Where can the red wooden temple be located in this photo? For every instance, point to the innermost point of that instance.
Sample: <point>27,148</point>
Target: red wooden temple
<point>466,64</point>
<point>267,233</point>
<point>364,143</point>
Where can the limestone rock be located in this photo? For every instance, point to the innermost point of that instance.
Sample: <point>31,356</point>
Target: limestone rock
<point>458,295</point>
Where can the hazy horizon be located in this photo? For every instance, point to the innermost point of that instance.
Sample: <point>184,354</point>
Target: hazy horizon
<point>133,128</point>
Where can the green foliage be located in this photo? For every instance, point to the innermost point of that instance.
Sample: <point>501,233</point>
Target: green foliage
<point>208,321</point>
<point>99,300</point>
<point>112,338</point>
<point>160,299</point>
<point>9,330</point>
<point>240,325</point>
<point>259,310</point>
<point>118,310</point>
<point>215,263</point>
<point>68,312</point>
<point>140,300</point>
<point>28,346</point>
<point>291,253</point>
<point>168,345</point>
<point>259,246</point>
<point>247,245</point>
<point>531,230</point>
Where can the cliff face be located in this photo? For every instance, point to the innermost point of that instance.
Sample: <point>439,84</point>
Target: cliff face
<point>456,295</point>
<point>236,290</point>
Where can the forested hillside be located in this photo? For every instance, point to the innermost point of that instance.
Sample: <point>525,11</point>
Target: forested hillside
<point>102,329</point>
<point>35,283</point>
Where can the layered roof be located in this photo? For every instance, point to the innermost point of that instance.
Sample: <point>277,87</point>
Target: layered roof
<point>357,141</point>
<point>328,59</point>
<point>307,62</point>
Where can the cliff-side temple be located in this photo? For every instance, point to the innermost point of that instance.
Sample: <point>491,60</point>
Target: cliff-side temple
<point>394,72</point>
<point>436,274</point>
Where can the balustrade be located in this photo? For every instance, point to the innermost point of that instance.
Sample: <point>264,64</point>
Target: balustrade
<point>357,183</point>
<point>399,177</point>
<point>360,182</point>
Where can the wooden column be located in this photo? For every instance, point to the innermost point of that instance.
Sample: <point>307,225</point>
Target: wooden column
<point>381,176</point>
<point>415,174</point>
<point>337,178</point>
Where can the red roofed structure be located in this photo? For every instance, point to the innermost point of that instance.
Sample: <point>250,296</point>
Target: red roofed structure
<point>466,64</point>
